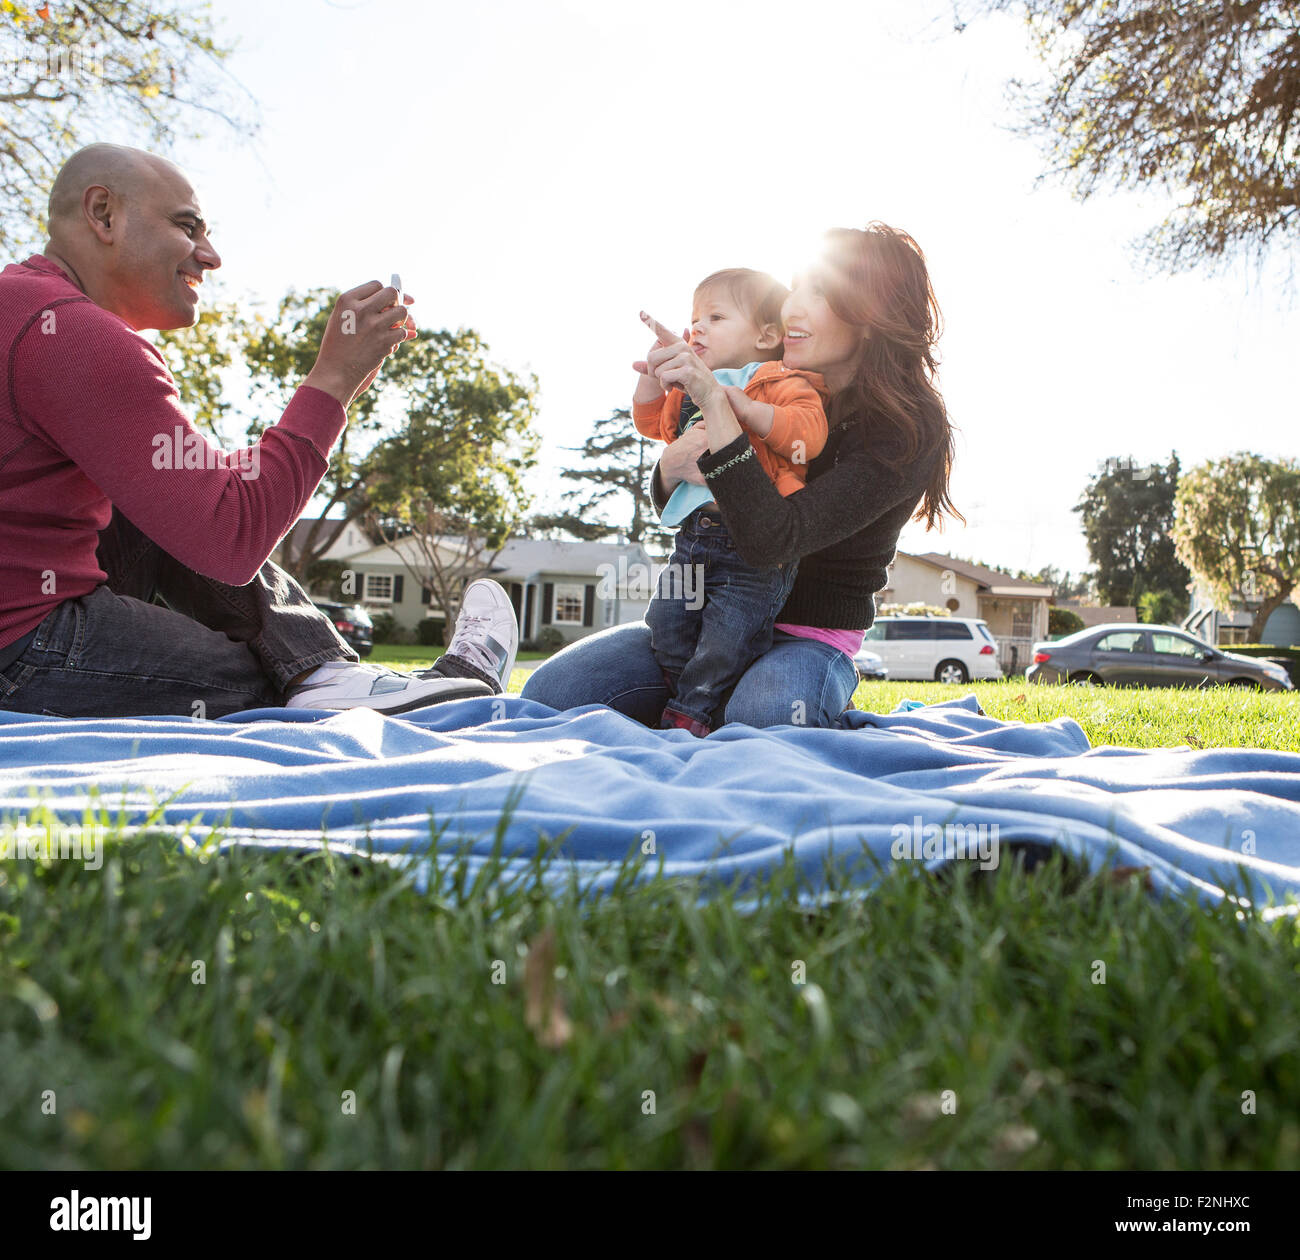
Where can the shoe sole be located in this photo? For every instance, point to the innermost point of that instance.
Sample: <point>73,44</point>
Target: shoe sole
<point>473,689</point>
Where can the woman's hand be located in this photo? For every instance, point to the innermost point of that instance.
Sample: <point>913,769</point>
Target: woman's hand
<point>675,364</point>
<point>678,462</point>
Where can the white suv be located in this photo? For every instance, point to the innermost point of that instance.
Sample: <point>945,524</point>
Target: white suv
<point>943,649</point>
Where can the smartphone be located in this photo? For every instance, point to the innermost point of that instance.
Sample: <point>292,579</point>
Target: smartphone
<point>396,282</point>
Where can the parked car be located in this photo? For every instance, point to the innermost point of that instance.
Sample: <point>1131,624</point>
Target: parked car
<point>352,622</point>
<point>1148,656</point>
<point>871,667</point>
<point>941,649</point>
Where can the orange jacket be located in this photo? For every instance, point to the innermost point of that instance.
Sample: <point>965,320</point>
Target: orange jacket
<point>798,398</point>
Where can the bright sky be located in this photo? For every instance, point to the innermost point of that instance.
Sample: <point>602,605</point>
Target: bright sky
<point>540,170</point>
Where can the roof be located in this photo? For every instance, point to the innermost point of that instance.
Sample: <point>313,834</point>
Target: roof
<point>523,557</point>
<point>1101,615</point>
<point>520,557</point>
<point>997,582</point>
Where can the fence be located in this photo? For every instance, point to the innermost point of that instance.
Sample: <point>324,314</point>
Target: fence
<point>1015,655</point>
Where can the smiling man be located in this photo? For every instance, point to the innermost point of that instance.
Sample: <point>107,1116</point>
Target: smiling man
<point>99,516</point>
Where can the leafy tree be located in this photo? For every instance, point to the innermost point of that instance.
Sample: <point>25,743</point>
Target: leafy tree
<point>449,486</point>
<point>1064,584</point>
<point>1128,517</point>
<point>1063,621</point>
<point>440,421</point>
<point>200,357</point>
<point>278,351</point>
<point>1238,529</point>
<point>74,73</point>
<point>1159,608</point>
<point>1201,99</point>
<point>617,463</point>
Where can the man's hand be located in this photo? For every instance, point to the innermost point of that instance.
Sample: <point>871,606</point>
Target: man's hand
<point>362,332</point>
<point>674,363</point>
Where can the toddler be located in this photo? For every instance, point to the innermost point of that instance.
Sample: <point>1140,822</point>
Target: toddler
<point>711,616</point>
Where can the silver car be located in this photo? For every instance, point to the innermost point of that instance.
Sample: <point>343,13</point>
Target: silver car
<point>871,667</point>
<point>1148,656</point>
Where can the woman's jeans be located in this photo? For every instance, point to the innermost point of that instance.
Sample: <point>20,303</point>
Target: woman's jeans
<point>215,649</point>
<point>711,618</point>
<point>798,682</point>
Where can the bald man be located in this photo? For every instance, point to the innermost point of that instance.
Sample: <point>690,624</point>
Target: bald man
<point>110,498</point>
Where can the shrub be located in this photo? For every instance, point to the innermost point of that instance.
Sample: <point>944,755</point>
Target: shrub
<point>917,608</point>
<point>1063,621</point>
<point>385,627</point>
<point>549,639</point>
<point>326,577</point>
<point>1288,656</point>
<point>431,632</point>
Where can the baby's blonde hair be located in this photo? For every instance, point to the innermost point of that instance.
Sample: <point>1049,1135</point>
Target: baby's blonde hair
<point>757,294</point>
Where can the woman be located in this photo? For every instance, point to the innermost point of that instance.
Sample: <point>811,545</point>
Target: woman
<point>866,318</point>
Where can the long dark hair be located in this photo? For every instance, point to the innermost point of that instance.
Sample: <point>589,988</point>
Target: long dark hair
<point>876,280</point>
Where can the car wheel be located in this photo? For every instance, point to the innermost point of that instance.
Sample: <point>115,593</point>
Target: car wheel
<point>1085,679</point>
<point>951,672</point>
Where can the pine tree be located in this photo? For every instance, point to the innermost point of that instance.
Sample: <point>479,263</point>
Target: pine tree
<point>617,463</point>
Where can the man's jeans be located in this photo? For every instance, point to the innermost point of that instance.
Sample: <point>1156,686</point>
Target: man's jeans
<point>215,649</point>
<point>711,618</point>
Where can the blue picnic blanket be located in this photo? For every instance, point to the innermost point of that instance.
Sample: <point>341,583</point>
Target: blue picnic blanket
<point>586,792</point>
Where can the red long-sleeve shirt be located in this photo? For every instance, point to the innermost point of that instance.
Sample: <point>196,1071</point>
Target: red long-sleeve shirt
<point>90,419</point>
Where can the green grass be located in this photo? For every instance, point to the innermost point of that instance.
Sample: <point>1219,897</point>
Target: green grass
<point>323,976</point>
<point>1129,717</point>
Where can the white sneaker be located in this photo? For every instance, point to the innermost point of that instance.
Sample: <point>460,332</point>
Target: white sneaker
<point>343,685</point>
<point>487,633</point>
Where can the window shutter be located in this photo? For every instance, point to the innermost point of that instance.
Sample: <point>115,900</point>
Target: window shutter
<point>397,589</point>
<point>426,595</point>
<point>548,598</point>
<point>589,606</point>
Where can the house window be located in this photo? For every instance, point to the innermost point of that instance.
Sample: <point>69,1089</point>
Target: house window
<point>1022,622</point>
<point>379,588</point>
<point>568,605</point>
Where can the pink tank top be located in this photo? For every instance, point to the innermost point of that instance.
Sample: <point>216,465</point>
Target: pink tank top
<point>848,641</point>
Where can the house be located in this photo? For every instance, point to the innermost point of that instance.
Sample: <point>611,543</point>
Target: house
<point>1015,610</point>
<point>576,588</point>
<point>1227,626</point>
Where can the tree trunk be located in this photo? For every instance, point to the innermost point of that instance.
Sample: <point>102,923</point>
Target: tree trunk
<point>1264,612</point>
